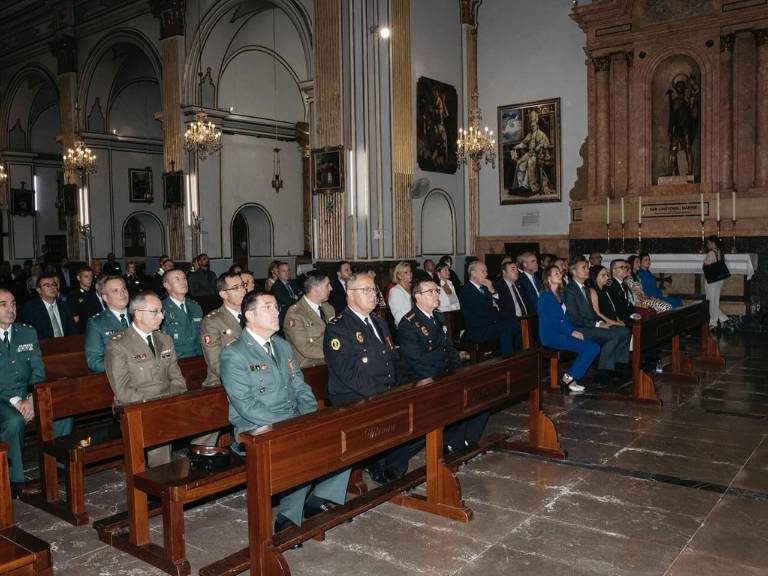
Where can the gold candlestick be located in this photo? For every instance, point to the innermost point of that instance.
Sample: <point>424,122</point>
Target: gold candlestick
<point>733,244</point>
<point>703,246</point>
<point>608,229</point>
<point>639,237</point>
<point>622,238</point>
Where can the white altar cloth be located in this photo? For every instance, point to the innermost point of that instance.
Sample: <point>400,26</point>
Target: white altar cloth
<point>691,263</point>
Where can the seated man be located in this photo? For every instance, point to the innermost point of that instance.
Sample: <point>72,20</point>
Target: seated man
<point>285,290</point>
<point>619,292</point>
<point>529,283</point>
<point>613,340</point>
<point>481,312</point>
<point>107,323</point>
<point>222,326</point>
<point>511,303</point>
<point>264,385</point>
<point>141,364</point>
<point>202,282</point>
<point>305,321</point>
<point>338,297</point>
<point>183,316</point>
<point>49,314</point>
<point>648,282</point>
<point>83,300</point>
<point>362,363</point>
<point>427,352</point>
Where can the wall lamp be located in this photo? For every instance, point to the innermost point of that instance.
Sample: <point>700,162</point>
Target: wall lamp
<point>381,31</point>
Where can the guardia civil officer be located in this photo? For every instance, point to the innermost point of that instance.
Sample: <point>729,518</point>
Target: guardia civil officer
<point>183,316</point>
<point>109,322</point>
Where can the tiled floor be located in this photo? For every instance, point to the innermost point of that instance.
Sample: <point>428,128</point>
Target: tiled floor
<point>680,490</point>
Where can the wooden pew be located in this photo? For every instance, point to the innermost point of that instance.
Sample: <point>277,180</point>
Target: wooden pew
<point>62,345</point>
<point>299,450</point>
<point>529,326</point>
<point>651,331</point>
<point>478,351</point>
<point>64,357</point>
<point>83,396</point>
<point>20,552</point>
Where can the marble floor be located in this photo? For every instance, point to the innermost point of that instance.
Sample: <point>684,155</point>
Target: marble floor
<point>678,490</point>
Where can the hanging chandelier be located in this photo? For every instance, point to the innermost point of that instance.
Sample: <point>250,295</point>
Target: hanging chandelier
<point>474,144</point>
<point>3,174</point>
<point>202,136</point>
<point>80,158</point>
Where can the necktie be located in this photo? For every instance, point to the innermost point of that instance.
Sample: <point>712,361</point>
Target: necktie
<point>123,321</point>
<point>268,347</point>
<point>322,314</point>
<point>151,346</point>
<point>6,340</point>
<point>291,293</point>
<point>371,328</point>
<point>183,308</point>
<point>518,299</point>
<point>240,319</point>
<point>54,321</point>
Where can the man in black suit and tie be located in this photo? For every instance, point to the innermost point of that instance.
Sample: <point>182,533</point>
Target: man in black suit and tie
<point>338,297</point>
<point>511,304</point>
<point>613,340</point>
<point>66,276</point>
<point>481,312</point>
<point>619,292</point>
<point>49,314</point>
<point>285,290</point>
<point>528,284</point>
<point>84,301</point>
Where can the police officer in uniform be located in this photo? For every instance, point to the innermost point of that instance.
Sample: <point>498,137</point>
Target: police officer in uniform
<point>264,385</point>
<point>427,351</point>
<point>362,362</point>
<point>141,364</point>
<point>183,316</point>
<point>107,323</point>
<point>222,326</point>
<point>84,301</point>
<point>305,321</point>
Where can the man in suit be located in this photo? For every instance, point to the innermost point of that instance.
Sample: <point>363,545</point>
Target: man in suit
<point>222,326</point>
<point>66,275</point>
<point>264,385</point>
<point>619,292</point>
<point>49,314</point>
<point>481,312</point>
<point>529,284</point>
<point>109,322</point>
<point>202,282</point>
<point>338,297</point>
<point>563,265</point>
<point>511,303</point>
<point>305,321</point>
<point>363,362</point>
<point>141,364</point>
<point>183,316</point>
<point>83,300</point>
<point>427,351</point>
<point>285,290</point>
<point>613,340</point>
<point>111,266</point>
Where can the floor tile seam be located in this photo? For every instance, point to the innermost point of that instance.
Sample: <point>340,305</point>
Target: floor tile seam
<point>664,454</point>
<point>389,558</point>
<point>732,562</point>
<point>633,505</point>
<point>94,550</point>
<point>496,476</point>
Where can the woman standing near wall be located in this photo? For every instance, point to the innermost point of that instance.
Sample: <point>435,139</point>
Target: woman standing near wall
<point>715,272</point>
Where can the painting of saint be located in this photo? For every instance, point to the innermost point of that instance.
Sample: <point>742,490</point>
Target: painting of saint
<point>436,127</point>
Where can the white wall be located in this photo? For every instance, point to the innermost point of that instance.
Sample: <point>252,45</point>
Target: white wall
<point>531,51</point>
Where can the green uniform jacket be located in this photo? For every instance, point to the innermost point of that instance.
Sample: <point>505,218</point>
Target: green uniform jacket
<point>22,365</point>
<point>220,329</point>
<point>262,390</point>
<point>100,329</point>
<point>183,328</point>
<point>304,329</point>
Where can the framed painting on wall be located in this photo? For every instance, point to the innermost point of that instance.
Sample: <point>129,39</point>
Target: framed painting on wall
<point>436,126</point>
<point>328,169</point>
<point>140,180</point>
<point>529,150</point>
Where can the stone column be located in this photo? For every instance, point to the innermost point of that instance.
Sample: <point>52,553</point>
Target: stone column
<point>302,140</point>
<point>726,111</point>
<point>761,114</point>
<point>65,50</point>
<point>603,117</point>
<point>469,10</point>
<point>620,121</point>
<point>632,145</point>
<point>172,50</point>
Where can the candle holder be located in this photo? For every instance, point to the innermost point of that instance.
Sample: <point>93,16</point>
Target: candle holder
<point>608,232</point>
<point>718,229</point>
<point>623,251</point>
<point>639,237</point>
<point>733,244</point>
<point>703,245</point>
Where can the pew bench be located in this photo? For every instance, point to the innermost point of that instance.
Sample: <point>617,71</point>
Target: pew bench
<point>296,451</point>
<point>20,552</point>
<point>477,351</point>
<point>529,326</point>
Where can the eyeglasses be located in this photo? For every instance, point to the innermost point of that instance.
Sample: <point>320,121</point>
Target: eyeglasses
<point>235,287</point>
<point>431,290</point>
<point>159,311</point>
<point>269,307</point>
<point>49,285</point>
<point>365,289</point>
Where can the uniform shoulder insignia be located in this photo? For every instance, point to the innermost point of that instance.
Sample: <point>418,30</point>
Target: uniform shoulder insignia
<point>213,313</point>
<point>335,320</point>
<point>118,335</point>
<point>409,317</point>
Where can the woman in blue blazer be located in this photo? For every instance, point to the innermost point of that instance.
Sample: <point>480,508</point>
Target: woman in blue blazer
<point>556,330</point>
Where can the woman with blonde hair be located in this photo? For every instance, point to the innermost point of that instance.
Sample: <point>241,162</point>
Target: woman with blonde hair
<point>272,278</point>
<point>399,297</point>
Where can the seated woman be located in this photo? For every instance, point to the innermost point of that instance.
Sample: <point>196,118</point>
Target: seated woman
<point>649,282</point>
<point>449,299</point>
<point>601,300</point>
<point>272,275</point>
<point>556,330</point>
<point>399,298</point>
<point>641,301</point>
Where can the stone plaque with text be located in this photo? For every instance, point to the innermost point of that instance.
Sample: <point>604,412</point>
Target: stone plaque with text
<point>674,210</point>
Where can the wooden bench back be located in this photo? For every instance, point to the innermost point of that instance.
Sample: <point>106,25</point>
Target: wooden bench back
<point>301,449</point>
<point>529,327</point>
<point>650,331</point>
<point>454,322</point>
<point>65,365</point>
<point>62,345</point>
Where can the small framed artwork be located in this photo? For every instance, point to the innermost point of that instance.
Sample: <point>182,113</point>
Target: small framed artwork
<point>529,149</point>
<point>22,201</point>
<point>172,188</point>
<point>140,180</point>
<point>328,169</point>
<point>436,128</point>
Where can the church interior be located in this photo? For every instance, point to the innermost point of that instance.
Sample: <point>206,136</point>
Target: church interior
<point>234,138</point>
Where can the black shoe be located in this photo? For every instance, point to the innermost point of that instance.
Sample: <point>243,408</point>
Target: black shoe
<point>448,449</point>
<point>281,523</point>
<point>316,505</point>
<point>377,475</point>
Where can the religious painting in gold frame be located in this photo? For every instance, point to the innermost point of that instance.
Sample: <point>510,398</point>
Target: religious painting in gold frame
<point>328,169</point>
<point>529,152</point>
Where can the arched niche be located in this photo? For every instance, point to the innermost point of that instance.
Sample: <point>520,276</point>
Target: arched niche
<point>438,224</point>
<point>143,236</point>
<point>252,233</point>
<point>30,112</point>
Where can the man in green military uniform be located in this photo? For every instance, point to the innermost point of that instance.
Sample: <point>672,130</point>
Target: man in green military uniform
<point>21,365</point>
<point>183,316</point>
<point>305,321</point>
<point>221,327</point>
<point>264,385</point>
<point>107,323</point>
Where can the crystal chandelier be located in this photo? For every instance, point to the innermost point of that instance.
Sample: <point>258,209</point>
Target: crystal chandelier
<point>475,145</point>
<point>202,137</point>
<point>80,158</point>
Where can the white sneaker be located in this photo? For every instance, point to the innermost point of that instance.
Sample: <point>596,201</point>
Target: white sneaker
<point>576,387</point>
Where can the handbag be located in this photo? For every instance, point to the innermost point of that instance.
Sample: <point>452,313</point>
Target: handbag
<point>716,271</point>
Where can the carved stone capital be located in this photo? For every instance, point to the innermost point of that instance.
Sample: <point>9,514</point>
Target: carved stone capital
<point>761,36</point>
<point>726,42</point>
<point>469,10</point>
<point>601,63</point>
<point>65,50</point>
<point>171,16</point>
